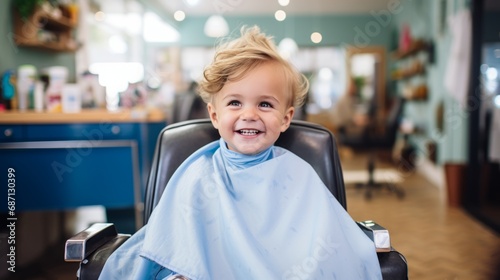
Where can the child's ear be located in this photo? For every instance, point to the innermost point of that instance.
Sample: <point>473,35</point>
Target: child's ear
<point>287,118</point>
<point>213,115</point>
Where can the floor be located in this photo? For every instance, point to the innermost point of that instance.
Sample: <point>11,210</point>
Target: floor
<point>438,241</point>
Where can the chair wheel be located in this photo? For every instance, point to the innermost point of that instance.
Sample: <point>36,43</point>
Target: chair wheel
<point>400,194</point>
<point>368,195</point>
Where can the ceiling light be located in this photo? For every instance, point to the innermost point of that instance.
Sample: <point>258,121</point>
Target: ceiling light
<point>280,15</point>
<point>484,67</point>
<point>497,101</point>
<point>216,26</point>
<point>287,47</point>
<point>492,73</point>
<point>497,53</point>
<point>316,37</point>
<point>179,15</point>
<point>325,74</point>
<point>192,3</point>
<point>100,16</point>
<point>155,29</point>
<point>117,44</point>
<point>284,3</point>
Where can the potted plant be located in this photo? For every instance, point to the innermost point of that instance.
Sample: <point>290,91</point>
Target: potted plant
<point>359,83</point>
<point>454,129</point>
<point>455,179</point>
<point>26,7</point>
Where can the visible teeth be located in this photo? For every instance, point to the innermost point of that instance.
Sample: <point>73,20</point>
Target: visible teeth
<point>248,132</point>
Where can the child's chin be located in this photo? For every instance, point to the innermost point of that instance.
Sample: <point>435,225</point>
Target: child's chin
<point>249,151</point>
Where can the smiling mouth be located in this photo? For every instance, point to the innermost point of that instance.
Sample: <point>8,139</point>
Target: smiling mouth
<point>248,132</point>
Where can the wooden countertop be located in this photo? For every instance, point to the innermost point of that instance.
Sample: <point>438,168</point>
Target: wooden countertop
<point>85,116</point>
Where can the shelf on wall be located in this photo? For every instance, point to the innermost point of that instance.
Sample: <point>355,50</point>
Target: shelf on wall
<point>46,31</point>
<point>411,65</point>
<point>55,47</point>
<point>416,93</point>
<point>415,47</point>
<point>407,73</point>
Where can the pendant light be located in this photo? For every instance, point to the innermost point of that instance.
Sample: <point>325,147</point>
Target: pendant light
<point>216,26</point>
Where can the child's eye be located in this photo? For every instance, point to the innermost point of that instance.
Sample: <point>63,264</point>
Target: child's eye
<point>266,105</point>
<point>233,103</point>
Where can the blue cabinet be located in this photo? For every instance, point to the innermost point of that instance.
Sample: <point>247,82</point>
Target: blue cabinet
<point>64,166</point>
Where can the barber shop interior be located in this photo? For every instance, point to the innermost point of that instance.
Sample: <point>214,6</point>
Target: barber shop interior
<point>129,129</point>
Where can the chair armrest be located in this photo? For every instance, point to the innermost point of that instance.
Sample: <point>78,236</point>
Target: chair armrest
<point>84,243</point>
<point>92,247</point>
<point>378,234</point>
<point>393,264</point>
<point>91,267</point>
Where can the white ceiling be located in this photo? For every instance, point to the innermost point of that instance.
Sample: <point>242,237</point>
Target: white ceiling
<point>265,7</point>
<point>269,7</point>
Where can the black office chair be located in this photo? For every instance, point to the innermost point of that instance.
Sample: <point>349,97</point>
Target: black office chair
<point>188,106</point>
<point>370,138</point>
<point>176,142</point>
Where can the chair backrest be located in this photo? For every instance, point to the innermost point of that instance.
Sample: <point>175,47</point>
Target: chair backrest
<point>394,119</point>
<point>188,106</point>
<point>313,143</point>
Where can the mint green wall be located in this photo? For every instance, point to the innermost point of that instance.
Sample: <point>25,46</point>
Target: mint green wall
<point>12,56</point>
<point>351,30</point>
<point>422,18</point>
<point>336,29</point>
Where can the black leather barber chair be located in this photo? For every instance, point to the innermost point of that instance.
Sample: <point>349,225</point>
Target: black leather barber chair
<point>176,142</point>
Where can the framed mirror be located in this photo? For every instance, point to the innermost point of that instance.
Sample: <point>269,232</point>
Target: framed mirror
<point>366,73</point>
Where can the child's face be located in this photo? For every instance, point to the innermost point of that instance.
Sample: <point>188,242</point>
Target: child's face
<point>251,113</point>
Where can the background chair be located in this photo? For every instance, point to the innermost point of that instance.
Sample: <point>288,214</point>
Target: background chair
<point>188,105</point>
<point>176,142</point>
<point>369,137</point>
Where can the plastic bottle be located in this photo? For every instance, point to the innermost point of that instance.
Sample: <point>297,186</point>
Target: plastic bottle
<point>57,76</point>
<point>26,76</point>
<point>39,97</point>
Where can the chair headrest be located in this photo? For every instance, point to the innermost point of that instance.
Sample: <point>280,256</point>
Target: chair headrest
<point>313,143</point>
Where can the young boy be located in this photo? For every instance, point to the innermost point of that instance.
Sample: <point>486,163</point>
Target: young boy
<point>240,207</point>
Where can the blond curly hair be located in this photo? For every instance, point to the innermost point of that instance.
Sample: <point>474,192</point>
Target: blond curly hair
<point>235,58</point>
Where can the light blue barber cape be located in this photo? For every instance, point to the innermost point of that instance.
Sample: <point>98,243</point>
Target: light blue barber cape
<point>224,215</point>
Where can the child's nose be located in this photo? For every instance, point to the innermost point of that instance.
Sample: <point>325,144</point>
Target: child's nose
<point>249,114</point>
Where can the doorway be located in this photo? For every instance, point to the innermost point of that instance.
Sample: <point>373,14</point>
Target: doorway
<point>366,69</point>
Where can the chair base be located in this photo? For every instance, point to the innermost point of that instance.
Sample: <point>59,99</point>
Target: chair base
<point>371,186</point>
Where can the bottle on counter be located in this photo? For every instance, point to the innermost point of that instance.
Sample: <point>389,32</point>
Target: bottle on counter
<point>8,90</point>
<point>26,77</point>
<point>57,77</point>
<point>71,98</point>
<point>39,98</point>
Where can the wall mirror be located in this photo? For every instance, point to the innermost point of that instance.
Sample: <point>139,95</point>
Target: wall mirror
<point>366,75</point>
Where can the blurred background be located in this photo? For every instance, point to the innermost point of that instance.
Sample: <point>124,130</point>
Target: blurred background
<point>409,88</point>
